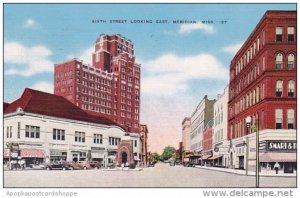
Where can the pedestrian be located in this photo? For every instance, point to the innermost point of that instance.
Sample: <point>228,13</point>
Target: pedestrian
<point>276,167</point>
<point>23,162</point>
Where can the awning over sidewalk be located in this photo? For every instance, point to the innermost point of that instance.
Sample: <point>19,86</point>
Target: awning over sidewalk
<point>278,157</point>
<point>32,153</point>
<point>6,152</point>
<point>206,157</point>
<point>215,157</point>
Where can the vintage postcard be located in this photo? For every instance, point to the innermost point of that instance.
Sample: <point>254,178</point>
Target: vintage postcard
<point>150,95</point>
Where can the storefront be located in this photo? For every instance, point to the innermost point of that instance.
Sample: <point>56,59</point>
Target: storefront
<point>206,161</point>
<point>79,156</point>
<point>240,154</point>
<point>33,156</point>
<point>58,155</point>
<point>280,151</point>
<point>97,154</point>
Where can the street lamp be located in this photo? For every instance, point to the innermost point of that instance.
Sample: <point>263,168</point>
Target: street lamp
<point>255,128</point>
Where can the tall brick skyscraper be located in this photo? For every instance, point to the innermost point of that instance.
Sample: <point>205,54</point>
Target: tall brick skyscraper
<point>110,87</point>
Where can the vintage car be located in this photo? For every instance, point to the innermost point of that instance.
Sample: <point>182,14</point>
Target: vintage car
<point>58,166</point>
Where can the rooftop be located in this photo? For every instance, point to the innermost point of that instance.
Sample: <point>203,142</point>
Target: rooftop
<point>34,101</point>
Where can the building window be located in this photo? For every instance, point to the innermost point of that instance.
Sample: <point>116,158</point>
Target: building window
<point>291,34</point>
<point>291,88</point>
<point>79,136</point>
<point>7,132</point>
<point>278,118</point>
<point>291,58</point>
<point>98,138</point>
<point>114,141</point>
<point>58,134</point>
<point>279,34</point>
<point>263,63</point>
<point>279,59</point>
<point>19,130</point>
<point>32,131</point>
<point>135,143</point>
<point>290,118</point>
<point>279,88</point>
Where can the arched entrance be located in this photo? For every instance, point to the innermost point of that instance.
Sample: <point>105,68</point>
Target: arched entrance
<point>124,157</point>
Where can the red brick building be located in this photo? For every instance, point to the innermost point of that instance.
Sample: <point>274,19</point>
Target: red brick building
<point>263,82</point>
<point>207,151</point>
<point>110,87</point>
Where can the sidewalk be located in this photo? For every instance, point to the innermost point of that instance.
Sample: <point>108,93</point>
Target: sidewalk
<point>243,172</point>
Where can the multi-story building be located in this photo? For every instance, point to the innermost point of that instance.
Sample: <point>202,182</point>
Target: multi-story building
<point>186,134</point>
<point>199,119</point>
<point>48,128</point>
<point>220,142</point>
<point>263,86</point>
<point>110,87</point>
<point>207,152</point>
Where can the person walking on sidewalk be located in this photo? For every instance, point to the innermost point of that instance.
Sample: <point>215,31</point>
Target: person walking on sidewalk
<point>276,167</point>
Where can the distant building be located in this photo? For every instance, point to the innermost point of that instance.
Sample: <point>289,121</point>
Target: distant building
<point>49,128</point>
<point>199,119</point>
<point>110,87</point>
<point>263,86</point>
<point>220,142</point>
<point>207,152</point>
<point>186,134</point>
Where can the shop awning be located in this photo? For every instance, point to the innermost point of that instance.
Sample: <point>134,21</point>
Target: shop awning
<point>215,157</point>
<point>205,157</point>
<point>32,153</point>
<point>97,155</point>
<point>278,157</point>
<point>6,153</point>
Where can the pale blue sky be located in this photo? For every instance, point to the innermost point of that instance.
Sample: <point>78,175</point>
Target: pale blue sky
<point>51,33</point>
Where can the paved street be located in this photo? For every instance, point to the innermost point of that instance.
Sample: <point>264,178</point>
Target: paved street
<point>162,175</point>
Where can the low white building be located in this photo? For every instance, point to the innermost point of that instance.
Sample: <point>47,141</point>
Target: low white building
<point>220,142</point>
<point>49,128</point>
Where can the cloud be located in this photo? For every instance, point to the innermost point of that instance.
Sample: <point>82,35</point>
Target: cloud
<point>26,61</point>
<point>29,23</point>
<point>43,86</point>
<point>233,48</point>
<point>188,28</point>
<point>85,55</point>
<point>171,74</point>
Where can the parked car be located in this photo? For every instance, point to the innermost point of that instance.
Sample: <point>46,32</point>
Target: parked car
<point>188,164</point>
<point>95,164</point>
<point>37,166</point>
<point>151,164</point>
<point>58,166</point>
<point>84,164</point>
<point>75,166</point>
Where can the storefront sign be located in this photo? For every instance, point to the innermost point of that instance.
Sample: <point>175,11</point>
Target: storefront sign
<point>281,145</point>
<point>98,148</point>
<point>57,153</point>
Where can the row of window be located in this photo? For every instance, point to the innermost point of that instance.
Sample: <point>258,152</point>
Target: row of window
<point>218,136</point>
<point>279,31</point>
<point>279,61</point>
<point>255,72</point>
<point>290,88</point>
<point>239,128</point>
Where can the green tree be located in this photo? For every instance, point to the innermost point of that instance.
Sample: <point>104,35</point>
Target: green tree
<point>154,157</point>
<point>168,152</point>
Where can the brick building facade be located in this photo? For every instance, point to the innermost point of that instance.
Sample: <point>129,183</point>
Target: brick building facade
<point>263,86</point>
<point>110,87</point>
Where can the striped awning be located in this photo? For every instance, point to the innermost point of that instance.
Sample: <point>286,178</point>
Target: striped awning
<point>6,152</point>
<point>215,157</point>
<point>278,157</point>
<point>33,153</point>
